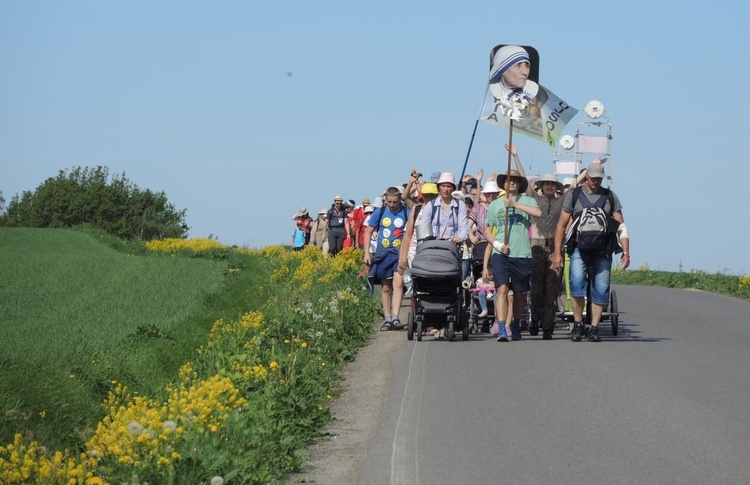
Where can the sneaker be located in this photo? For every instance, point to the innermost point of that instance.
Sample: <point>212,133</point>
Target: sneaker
<point>575,334</point>
<point>594,335</point>
<point>503,336</point>
<point>495,330</point>
<point>546,334</point>
<point>515,331</point>
<point>483,314</point>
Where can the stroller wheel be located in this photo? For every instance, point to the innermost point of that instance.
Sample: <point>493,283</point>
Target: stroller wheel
<point>410,327</point>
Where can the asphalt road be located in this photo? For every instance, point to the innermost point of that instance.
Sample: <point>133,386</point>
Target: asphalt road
<point>665,401</point>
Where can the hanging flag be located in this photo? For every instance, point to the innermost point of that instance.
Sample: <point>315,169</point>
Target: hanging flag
<point>514,92</point>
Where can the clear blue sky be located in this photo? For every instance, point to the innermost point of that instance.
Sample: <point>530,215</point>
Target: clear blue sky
<point>241,112</point>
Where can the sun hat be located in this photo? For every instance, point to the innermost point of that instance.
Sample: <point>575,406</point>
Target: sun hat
<point>365,202</point>
<point>490,187</point>
<point>547,177</point>
<point>595,170</point>
<point>322,211</point>
<point>506,57</point>
<point>457,194</point>
<point>369,208</point>
<point>429,188</point>
<point>301,212</point>
<point>522,186</point>
<point>568,181</point>
<point>447,178</point>
<point>338,197</point>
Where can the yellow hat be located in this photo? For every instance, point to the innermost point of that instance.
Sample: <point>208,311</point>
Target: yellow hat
<point>429,188</point>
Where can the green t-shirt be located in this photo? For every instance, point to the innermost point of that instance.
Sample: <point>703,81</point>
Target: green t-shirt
<point>518,225</point>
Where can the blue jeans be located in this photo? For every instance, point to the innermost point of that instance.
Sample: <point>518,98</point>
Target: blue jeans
<point>598,264</point>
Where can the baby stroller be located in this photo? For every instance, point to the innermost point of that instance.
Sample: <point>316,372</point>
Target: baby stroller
<point>476,264</point>
<point>436,291</point>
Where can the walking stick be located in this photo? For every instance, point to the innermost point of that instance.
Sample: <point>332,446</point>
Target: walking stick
<point>507,177</point>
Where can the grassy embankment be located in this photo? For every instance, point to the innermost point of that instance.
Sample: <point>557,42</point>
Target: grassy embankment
<point>729,285</point>
<point>169,369</point>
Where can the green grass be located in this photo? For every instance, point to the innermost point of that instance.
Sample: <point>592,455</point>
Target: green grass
<point>730,285</point>
<point>296,319</point>
<point>77,314</point>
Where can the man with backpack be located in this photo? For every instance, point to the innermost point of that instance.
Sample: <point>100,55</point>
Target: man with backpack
<point>591,238</point>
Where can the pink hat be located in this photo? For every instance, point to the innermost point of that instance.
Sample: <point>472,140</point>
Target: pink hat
<point>447,178</point>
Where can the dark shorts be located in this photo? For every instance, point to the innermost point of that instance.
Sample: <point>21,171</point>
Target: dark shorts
<point>384,264</point>
<point>511,272</point>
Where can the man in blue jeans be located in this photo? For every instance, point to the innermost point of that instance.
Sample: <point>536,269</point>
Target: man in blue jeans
<point>594,259</point>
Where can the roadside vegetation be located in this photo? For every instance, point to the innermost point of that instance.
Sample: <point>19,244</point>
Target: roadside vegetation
<point>729,285</point>
<point>171,361</point>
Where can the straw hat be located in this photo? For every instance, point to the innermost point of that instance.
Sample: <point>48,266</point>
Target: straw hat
<point>548,177</point>
<point>522,186</point>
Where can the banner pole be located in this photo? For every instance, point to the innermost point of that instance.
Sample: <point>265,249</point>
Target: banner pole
<point>507,177</point>
<point>466,161</point>
<point>474,132</point>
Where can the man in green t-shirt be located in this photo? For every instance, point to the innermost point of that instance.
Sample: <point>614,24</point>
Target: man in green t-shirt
<point>510,259</point>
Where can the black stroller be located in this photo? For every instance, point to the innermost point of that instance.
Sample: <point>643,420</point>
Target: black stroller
<point>476,264</point>
<point>436,291</point>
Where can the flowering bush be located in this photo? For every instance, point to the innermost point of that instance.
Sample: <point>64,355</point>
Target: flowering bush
<point>256,392</point>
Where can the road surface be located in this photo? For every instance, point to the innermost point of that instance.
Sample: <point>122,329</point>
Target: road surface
<point>665,401</point>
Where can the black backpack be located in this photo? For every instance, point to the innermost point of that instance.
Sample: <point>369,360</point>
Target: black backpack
<point>594,229</point>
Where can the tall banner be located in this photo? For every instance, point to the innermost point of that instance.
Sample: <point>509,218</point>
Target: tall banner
<point>514,93</point>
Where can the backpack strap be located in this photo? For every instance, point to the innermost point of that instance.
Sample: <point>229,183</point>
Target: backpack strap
<point>382,210</point>
<point>416,211</point>
<point>454,208</point>
<point>600,202</point>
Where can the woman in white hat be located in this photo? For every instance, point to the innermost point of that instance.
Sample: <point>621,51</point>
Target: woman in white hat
<point>447,215</point>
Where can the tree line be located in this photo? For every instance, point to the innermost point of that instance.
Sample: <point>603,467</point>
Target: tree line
<point>90,197</point>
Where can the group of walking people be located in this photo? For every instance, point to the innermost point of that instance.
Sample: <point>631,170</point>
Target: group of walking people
<point>529,230</point>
